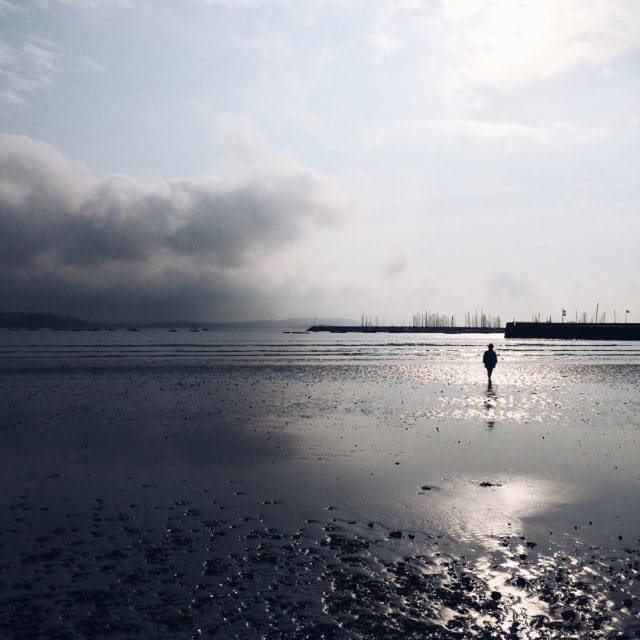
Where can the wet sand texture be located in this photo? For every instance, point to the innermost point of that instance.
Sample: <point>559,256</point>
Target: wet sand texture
<point>315,502</point>
<point>191,575</point>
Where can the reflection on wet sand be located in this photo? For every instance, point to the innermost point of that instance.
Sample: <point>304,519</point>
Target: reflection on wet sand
<point>195,569</point>
<point>327,501</point>
<point>479,511</point>
<point>490,404</point>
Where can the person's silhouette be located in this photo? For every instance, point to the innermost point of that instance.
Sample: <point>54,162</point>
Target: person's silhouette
<point>490,359</point>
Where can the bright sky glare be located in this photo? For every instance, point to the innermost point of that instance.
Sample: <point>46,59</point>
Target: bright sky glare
<point>236,159</point>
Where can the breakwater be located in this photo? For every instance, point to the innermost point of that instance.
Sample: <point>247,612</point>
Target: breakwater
<point>400,329</point>
<point>546,330</point>
<point>574,330</point>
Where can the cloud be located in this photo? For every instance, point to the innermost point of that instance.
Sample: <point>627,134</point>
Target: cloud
<point>394,267</point>
<point>502,42</point>
<point>383,42</point>
<point>81,244</point>
<point>507,284</point>
<point>91,65</point>
<point>488,129</point>
<point>240,143</point>
<point>89,5</point>
<point>242,4</point>
<point>419,132</point>
<point>6,7</point>
<point>25,68</point>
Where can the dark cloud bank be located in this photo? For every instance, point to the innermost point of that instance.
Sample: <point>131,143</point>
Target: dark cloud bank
<point>118,249</point>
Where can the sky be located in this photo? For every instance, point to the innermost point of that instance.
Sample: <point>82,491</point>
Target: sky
<point>251,159</point>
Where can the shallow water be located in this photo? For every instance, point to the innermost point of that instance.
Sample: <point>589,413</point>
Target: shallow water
<point>268,484</point>
<point>277,347</point>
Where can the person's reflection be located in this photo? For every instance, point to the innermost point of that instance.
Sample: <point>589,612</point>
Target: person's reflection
<point>489,405</point>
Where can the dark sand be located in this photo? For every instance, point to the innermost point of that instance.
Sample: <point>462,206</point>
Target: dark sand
<point>319,502</point>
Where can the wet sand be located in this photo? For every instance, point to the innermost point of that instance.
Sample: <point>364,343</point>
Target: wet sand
<point>319,501</point>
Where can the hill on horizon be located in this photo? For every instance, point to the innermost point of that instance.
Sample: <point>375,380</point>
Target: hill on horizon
<point>23,320</point>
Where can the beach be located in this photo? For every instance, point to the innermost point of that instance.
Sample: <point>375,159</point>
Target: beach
<point>265,485</point>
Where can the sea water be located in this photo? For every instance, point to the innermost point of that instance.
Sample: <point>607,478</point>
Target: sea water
<point>264,483</point>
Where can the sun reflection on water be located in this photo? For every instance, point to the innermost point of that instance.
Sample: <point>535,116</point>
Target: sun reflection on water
<point>480,514</point>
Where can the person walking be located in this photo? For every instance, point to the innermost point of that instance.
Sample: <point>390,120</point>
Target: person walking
<point>489,359</point>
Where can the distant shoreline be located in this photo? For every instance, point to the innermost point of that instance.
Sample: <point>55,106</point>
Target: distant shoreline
<point>516,329</point>
<point>34,321</point>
